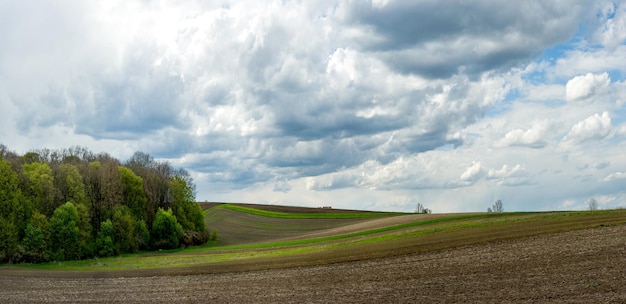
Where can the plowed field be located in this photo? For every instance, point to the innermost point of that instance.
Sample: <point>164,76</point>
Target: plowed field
<point>536,258</point>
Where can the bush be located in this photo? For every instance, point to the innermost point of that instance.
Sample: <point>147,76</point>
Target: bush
<point>193,238</point>
<point>166,231</point>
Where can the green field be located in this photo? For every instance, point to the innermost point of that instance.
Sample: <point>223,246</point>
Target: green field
<point>264,237</point>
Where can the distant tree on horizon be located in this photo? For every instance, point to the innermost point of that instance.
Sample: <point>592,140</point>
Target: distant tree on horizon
<point>421,209</point>
<point>497,207</point>
<point>592,204</point>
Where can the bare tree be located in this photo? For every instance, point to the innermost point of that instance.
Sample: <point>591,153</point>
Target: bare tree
<point>421,209</point>
<point>497,207</point>
<point>592,204</point>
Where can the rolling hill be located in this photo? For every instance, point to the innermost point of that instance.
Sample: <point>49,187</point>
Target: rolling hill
<point>371,256</point>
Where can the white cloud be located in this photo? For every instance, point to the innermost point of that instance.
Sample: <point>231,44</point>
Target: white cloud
<point>613,32</point>
<point>587,85</point>
<point>510,176</point>
<point>473,173</point>
<point>614,176</point>
<point>311,102</point>
<point>577,62</point>
<point>594,127</point>
<point>532,138</point>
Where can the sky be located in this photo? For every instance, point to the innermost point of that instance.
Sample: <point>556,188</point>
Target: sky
<point>374,105</point>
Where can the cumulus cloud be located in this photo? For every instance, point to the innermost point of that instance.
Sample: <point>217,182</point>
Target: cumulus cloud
<point>510,176</point>
<point>594,127</point>
<point>532,138</point>
<point>473,173</point>
<point>587,85</point>
<point>307,100</point>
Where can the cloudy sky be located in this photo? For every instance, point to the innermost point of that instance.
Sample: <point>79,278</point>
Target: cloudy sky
<point>356,104</point>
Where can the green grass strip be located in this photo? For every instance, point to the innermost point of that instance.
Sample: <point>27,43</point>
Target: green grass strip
<point>321,215</point>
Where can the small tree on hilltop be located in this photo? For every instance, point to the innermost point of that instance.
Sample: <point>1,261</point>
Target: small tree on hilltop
<point>593,204</point>
<point>497,207</point>
<point>421,209</point>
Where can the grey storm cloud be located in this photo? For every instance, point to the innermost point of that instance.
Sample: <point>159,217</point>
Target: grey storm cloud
<point>439,39</point>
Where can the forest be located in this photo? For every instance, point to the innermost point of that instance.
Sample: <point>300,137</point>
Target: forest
<point>73,204</point>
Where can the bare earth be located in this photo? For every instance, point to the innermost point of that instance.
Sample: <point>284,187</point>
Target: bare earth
<point>584,266</point>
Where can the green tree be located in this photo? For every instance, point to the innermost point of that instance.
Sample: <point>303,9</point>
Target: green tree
<point>85,241</point>
<point>124,226</point>
<point>40,190</point>
<point>14,211</point>
<point>64,233</point>
<point>35,245</point>
<point>69,184</point>
<point>104,189</point>
<point>142,235</point>
<point>8,239</point>
<point>106,239</point>
<point>166,231</point>
<point>186,210</point>
<point>133,192</point>
<point>155,177</point>
<point>37,238</point>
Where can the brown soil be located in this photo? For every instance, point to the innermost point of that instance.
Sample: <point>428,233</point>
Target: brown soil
<point>583,266</point>
<point>235,228</point>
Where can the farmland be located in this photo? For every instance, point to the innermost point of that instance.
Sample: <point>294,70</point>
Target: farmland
<point>286,254</point>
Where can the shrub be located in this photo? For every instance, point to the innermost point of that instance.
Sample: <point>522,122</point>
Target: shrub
<point>166,231</point>
<point>193,238</point>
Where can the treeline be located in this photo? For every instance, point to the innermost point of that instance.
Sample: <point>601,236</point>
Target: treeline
<point>74,204</point>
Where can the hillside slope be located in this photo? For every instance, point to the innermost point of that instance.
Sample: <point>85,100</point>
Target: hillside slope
<point>238,224</point>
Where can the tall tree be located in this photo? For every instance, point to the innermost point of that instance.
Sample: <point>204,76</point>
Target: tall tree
<point>36,239</point>
<point>14,211</point>
<point>106,239</point>
<point>69,183</point>
<point>155,176</point>
<point>40,190</point>
<point>64,233</point>
<point>125,227</point>
<point>104,189</point>
<point>133,193</point>
<point>187,211</point>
